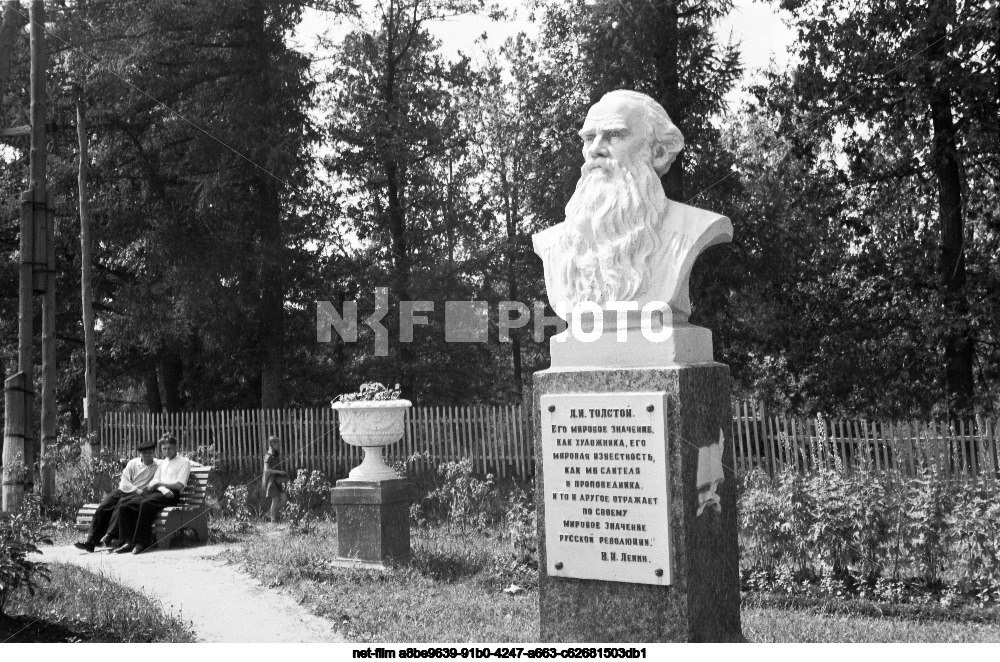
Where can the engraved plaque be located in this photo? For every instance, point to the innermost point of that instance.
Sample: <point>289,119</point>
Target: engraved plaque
<point>604,463</point>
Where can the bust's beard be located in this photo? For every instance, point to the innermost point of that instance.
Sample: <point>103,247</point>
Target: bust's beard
<point>613,221</point>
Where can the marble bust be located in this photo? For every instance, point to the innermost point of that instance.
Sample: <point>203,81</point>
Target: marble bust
<point>623,240</point>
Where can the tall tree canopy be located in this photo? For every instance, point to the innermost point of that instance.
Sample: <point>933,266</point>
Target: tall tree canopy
<point>200,137</point>
<point>403,181</point>
<point>914,89</point>
<point>236,181</point>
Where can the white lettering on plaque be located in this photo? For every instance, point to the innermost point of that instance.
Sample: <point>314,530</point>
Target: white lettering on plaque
<point>605,469</point>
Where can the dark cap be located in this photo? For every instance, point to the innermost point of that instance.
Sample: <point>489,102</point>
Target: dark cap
<point>147,446</point>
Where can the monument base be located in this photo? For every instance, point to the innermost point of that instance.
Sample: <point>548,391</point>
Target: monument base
<point>681,344</point>
<point>373,519</point>
<point>702,600</point>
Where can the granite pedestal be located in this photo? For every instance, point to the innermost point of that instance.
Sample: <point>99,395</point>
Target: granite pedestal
<point>373,519</point>
<point>702,600</point>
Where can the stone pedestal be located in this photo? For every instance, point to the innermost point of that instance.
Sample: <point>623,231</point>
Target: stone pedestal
<point>697,598</point>
<point>373,519</point>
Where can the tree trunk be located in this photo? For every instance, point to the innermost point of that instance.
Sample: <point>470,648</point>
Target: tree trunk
<point>395,174</point>
<point>270,316</point>
<point>511,212</point>
<point>74,421</point>
<point>958,348</point>
<point>152,386</point>
<point>272,300</point>
<point>171,371</point>
<point>86,294</point>
<point>669,97</point>
<point>3,379</point>
<point>13,21</point>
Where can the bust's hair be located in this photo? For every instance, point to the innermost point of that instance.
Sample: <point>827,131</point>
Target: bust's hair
<point>659,127</point>
<point>168,438</point>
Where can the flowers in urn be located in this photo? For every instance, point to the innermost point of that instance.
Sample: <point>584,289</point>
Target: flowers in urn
<point>372,418</point>
<point>369,391</point>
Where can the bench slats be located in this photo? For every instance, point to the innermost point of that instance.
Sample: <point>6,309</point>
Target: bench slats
<point>190,512</point>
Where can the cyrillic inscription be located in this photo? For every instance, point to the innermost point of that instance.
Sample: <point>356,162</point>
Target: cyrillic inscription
<point>605,473</point>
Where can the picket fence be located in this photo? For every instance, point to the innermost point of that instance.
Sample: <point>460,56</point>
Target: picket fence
<point>962,451</point>
<point>497,438</point>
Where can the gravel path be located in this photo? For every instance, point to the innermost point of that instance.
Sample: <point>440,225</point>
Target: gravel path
<point>223,604</point>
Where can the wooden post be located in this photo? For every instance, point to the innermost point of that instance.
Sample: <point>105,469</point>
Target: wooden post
<point>37,153</point>
<point>26,328</point>
<point>17,403</point>
<point>49,377</point>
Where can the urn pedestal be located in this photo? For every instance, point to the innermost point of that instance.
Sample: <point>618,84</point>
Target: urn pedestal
<point>373,502</point>
<point>373,519</point>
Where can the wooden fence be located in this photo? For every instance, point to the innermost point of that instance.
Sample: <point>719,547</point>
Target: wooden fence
<point>962,452</point>
<point>498,440</point>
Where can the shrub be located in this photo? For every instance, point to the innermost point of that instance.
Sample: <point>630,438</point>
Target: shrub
<point>456,501</point>
<point>235,506</point>
<point>516,560</point>
<point>973,534</point>
<point>80,479</point>
<point>779,524</point>
<point>926,513</point>
<point>874,536</point>
<point>308,499</point>
<point>849,522</point>
<point>206,455</point>
<point>460,498</point>
<point>20,535</point>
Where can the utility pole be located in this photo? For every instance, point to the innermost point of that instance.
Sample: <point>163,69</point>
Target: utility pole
<point>45,263</point>
<point>37,275</point>
<point>91,411</point>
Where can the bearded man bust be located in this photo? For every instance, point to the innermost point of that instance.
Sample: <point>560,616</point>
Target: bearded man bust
<point>625,245</point>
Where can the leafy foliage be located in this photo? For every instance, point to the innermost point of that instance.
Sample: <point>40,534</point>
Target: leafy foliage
<point>80,479</point>
<point>459,497</point>
<point>235,507</point>
<point>909,96</point>
<point>368,392</point>
<point>308,500</point>
<point>236,180</point>
<point>20,535</point>
<point>855,534</point>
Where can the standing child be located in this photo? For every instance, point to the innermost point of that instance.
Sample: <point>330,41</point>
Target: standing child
<point>275,477</point>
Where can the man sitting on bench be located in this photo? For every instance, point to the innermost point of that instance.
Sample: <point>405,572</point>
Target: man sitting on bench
<point>136,517</point>
<point>134,481</point>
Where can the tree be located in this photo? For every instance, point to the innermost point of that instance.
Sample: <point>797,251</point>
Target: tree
<point>397,142</point>
<point>922,80</point>
<point>665,49</point>
<point>201,153</point>
<point>584,50</point>
<point>819,319</point>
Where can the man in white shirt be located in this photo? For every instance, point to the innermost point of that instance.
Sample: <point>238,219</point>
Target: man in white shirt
<point>134,482</point>
<point>135,518</point>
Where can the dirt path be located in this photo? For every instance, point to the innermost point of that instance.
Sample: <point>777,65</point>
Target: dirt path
<point>223,604</point>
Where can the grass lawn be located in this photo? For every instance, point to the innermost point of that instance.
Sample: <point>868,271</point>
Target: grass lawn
<point>450,592</point>
<point>793,625</point>
<point>80,606</point>
<point>445,594</point>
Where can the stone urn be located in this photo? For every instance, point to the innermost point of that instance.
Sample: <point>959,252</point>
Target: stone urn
<point>372,425</point>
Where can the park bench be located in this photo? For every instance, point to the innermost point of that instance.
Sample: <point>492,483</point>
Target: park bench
<point>190,513</point>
